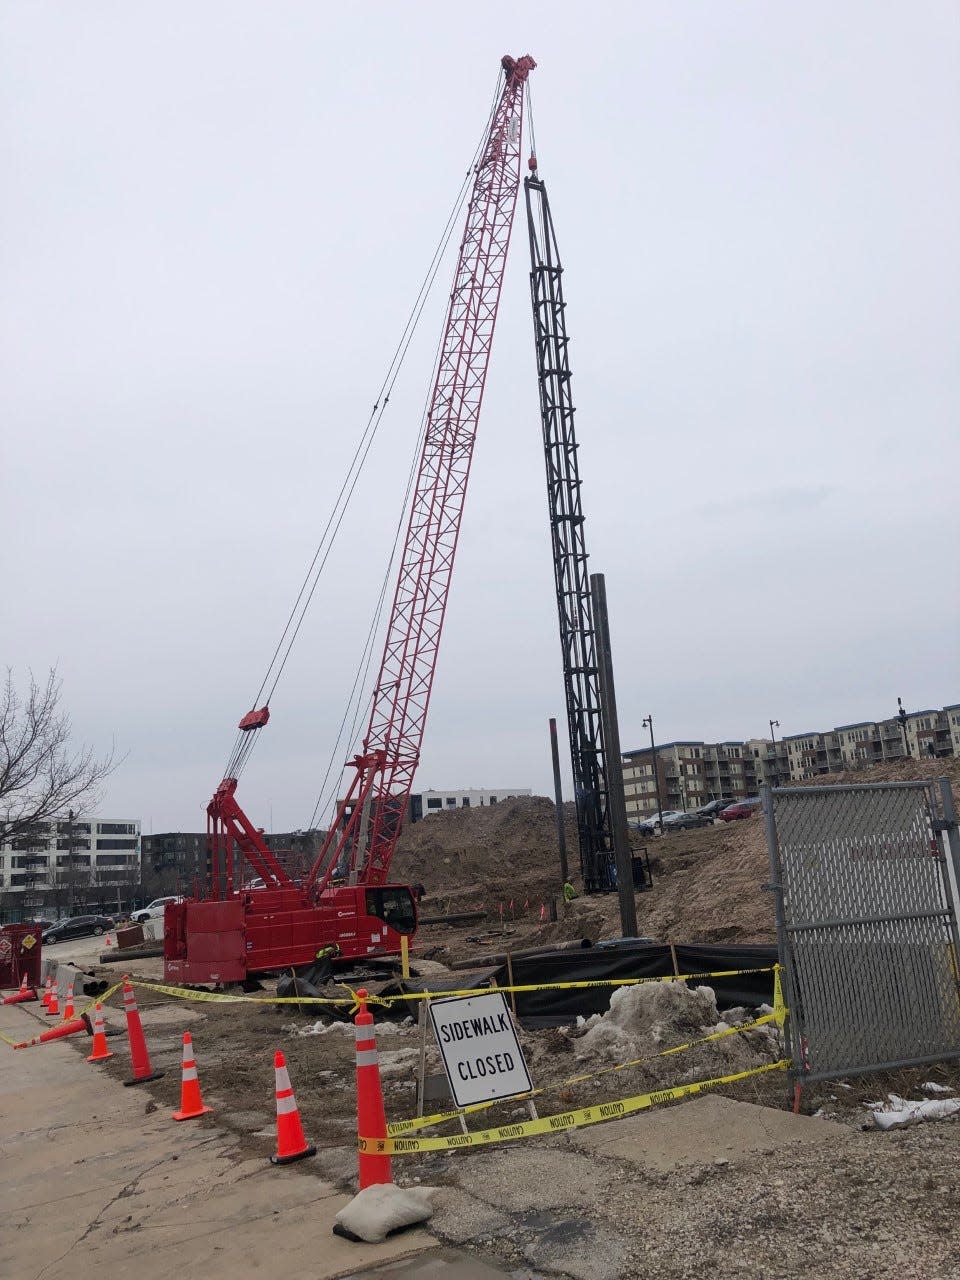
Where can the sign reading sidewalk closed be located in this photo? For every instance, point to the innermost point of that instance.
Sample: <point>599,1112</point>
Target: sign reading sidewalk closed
<point>479,1047</point>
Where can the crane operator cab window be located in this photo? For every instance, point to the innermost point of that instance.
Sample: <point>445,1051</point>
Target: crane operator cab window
<point>394,906</point>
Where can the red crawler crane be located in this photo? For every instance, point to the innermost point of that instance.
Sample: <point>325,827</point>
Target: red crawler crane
<point>233,933</point>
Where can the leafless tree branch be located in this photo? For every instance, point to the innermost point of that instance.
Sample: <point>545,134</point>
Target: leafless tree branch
<point>41,776</point>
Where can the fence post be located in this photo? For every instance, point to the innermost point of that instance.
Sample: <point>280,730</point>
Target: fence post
<point>783,939</point>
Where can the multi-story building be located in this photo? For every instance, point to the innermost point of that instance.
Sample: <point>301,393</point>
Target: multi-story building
<point>771,763</point>
<point>692,773</point>
<point>423,803</point>
<point>68,865</point>
<point>176,857</point>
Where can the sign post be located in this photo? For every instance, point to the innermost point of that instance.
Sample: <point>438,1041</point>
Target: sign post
<point>479,1047</point>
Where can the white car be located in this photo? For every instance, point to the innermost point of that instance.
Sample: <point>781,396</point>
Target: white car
<point>153,910</point>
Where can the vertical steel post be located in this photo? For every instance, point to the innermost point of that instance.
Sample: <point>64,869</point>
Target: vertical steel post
<point>648,721</point>
<point>775,724</point>
<point>783,940</point>
<point>558,793</point>
<point>611,736</point>
<point>951,842</point>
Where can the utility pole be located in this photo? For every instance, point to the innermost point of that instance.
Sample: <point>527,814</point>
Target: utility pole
<point>903,728</point>
<point>558,793</point>
<point>70,866</point>
<point>611,737</point>
<point>775,724</point>
<point>648,724</point>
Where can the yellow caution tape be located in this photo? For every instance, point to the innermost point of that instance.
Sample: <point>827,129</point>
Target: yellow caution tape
<point>351,1001</point>
<point>424,1122</point>
<point>558,1123</point>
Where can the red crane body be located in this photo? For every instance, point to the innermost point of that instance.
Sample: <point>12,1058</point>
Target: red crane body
<point>233,932</point>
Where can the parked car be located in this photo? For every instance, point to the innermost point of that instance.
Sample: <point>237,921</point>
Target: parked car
<point>742,809</point>
<point>683,821</point>
<point>649,825</point>
<point>78,927</point>
<point>153,910</point>
<point>714,808</point>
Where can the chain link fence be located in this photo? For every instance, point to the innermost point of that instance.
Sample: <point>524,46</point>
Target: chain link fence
<point>867,924</point>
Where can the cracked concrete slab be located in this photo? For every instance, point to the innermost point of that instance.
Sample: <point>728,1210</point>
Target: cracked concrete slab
<point>703,1130</point>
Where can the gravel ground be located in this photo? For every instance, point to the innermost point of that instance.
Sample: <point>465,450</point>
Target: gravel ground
<point>869,1205</point>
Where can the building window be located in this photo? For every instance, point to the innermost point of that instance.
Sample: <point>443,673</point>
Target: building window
<point>433,802</point>
<point>116,844</point>
<point>116,829</point>
<point>493,799</point>
<point>115,860</point>
<point>451,802</point>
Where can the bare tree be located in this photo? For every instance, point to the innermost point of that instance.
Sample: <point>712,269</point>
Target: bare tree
<point>41,775</point>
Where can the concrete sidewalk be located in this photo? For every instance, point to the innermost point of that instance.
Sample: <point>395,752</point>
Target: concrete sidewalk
<point>94,1182</point>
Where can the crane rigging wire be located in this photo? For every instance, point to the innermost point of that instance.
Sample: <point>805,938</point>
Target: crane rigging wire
<point>360,682</point>
<point>327,798</point>
<point>244,741</point>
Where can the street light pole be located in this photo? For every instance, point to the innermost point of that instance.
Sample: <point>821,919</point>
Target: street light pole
<point>903,728</point>
<point>775,724</point>
<point>648,724</point>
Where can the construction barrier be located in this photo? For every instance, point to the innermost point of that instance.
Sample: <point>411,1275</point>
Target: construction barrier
<point>351,1002</point>
<point>377,1141</point>
<point>576,1119</point>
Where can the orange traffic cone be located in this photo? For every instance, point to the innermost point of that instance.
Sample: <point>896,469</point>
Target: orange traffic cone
<point>53,1008</point>
<point>107,942</point>
<point>371,1117</point>
<point>291,1144</point>
<point>191,1103</point>
<point>46,992</point>
<point>100,1050</point>
<point>57,1033</point>
<point>139,1056</point>
<point>25,993</point>
<point>68,1010</point>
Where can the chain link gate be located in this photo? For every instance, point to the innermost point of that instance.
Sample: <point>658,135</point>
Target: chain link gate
<point>864,879</point>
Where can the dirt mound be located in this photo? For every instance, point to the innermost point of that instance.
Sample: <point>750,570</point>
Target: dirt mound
<point>507,850</point>
<point>708,883</point>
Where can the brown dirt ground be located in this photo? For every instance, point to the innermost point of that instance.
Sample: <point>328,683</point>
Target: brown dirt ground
<point>863,1201</point>
<point>708,883</point>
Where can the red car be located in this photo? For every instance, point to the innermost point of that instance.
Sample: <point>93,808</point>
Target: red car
<point>742,809</point>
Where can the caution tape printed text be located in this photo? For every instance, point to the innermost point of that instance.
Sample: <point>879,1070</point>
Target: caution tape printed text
<point>576,1119</point>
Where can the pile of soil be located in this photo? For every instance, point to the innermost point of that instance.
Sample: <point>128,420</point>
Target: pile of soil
<point>708,883</point>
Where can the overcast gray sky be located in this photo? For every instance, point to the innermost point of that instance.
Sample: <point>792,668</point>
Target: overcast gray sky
<point>214,221</point>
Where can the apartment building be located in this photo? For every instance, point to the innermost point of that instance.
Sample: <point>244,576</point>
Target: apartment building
<point>692,773</point>
<point>176,856</point>
<point>70,864</point>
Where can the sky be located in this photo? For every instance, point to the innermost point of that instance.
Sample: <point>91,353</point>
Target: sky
<point>215,219</point>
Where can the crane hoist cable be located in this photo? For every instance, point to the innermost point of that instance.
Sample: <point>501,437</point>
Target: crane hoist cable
<point>360,682</point>
<point>244,741</point>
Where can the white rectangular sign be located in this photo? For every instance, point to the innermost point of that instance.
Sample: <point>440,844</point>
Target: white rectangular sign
<point>479,1047</point>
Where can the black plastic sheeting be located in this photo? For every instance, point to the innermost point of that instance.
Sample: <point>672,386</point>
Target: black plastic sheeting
<point>633,960</point>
